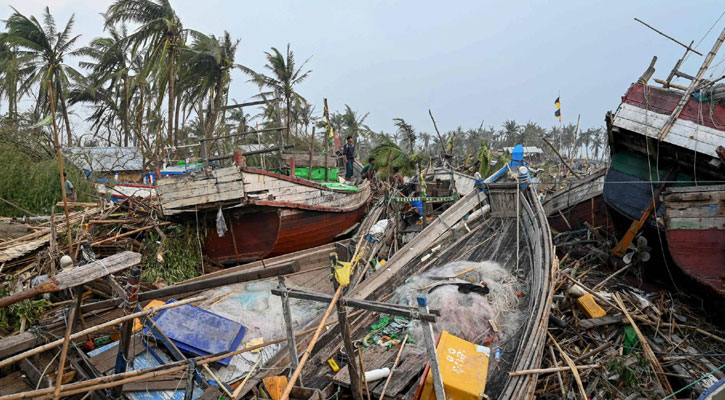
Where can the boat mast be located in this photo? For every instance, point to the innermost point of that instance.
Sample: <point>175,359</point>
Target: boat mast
<point>694,85</point>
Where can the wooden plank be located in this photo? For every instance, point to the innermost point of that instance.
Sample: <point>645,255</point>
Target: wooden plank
<point>597,322</point>
<point>414,248</point>
<point>374,358</point>
<point>105,361</point>
<point>684,133</point>
<point>77,276</point>
<point>169,382</point>
<point>15,344</point>
<point>692,211</point>
<point>13,383</point>
<point>409,369</point>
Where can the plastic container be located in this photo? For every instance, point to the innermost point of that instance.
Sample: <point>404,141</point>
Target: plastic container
<point>377,374</point>
<point>590,307</point>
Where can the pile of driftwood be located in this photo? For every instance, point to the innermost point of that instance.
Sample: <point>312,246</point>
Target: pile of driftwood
<point>637,341</point>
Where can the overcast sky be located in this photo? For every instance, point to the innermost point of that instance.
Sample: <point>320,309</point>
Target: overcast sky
<point>468,61</point>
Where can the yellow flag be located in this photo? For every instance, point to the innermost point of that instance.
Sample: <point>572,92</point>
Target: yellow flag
<point>332,132</point>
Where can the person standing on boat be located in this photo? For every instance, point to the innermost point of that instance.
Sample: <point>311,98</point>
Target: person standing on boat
<point>368,172</point>
<point>348,150</point>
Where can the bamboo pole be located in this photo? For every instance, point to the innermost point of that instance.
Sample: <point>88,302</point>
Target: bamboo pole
<point>60,166</point>
<point>571,365</point>
<point>648,353</point>
<point>311,345</point>
<point>64,350</point>
<point>246,378</point>
<point>560,157</point>
<point>550,370</point>
<point>18,207</point>
<point>558,373</point>
<point>84,332</point>
<point>395,364</point>
<point>440,138</point>
<point>106,240</point>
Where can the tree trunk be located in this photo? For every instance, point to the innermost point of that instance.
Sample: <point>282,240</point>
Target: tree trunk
<point>125,110</point>
<point>176,119</point>
<point>172,78</point>
<point>215,108</point>
<point>65,110</point>
<point>289,105</point>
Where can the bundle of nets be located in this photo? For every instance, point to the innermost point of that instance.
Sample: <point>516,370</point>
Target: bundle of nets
<point>465,311</point>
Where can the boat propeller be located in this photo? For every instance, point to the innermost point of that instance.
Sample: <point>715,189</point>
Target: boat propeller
<point>638,252</point>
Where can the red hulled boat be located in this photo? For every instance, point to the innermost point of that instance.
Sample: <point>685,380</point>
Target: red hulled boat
<point>249,214</point>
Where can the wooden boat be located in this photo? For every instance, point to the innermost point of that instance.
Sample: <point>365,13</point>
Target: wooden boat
<point>669,140</point>
<point>492,237</point>
<point>581,201</point>
<point>267,214</point>
<point>695,226</point>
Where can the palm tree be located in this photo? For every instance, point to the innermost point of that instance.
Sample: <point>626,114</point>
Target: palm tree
<point>161,29</point>
<point>109,85</point>
<point>407,132</point>
<point>206,72</point>
<point>354,123</point>
<point>426,137</point>
<point>285,76</point>
<point>42,49</point>
<point>510,131</point>
<point>388,150</point>
<point>597,141</point>
<point>11,74</point>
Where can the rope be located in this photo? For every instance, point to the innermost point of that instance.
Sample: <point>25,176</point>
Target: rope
<point>689,385</point>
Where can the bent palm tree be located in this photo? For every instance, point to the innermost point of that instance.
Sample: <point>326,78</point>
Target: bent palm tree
<point>281,84</point>
<point>161,29</point>
<point>206,72</point>
<point>42,49</point>
<point>407,132</point>
<point>109,86</point>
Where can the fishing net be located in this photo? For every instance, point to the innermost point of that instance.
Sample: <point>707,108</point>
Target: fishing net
<point>254,306</point>
<point>466,310</point>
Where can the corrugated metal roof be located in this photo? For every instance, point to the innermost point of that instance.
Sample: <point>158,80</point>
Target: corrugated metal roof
<point>105,159</point>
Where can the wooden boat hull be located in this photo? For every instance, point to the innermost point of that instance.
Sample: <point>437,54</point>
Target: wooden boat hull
<point>266,214</point>
<point>569,208</point>
<point>593,211</point>
<point>269,232</point>
<point>695,226</point>
<point>689,218</point>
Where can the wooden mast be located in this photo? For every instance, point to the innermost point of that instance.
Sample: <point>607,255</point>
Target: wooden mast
<point>693,86</point>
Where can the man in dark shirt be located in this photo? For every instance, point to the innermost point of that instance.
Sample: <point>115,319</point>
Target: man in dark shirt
<point>349,152</point>
<point>369,171</point>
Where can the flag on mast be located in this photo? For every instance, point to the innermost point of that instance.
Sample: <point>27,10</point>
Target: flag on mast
<point>557,113</point>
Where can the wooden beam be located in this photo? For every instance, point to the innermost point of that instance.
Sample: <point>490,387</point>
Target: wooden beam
<point>392,309</point>
<point>208,283</point>
<point>77,276</point>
